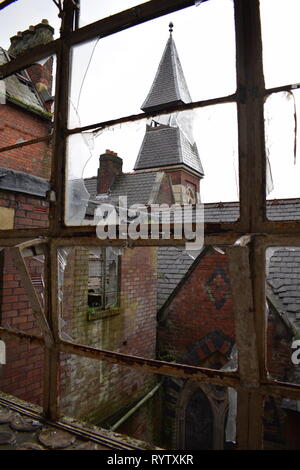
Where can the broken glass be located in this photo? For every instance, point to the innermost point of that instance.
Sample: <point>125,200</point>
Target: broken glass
<point>116,74</point>
<point>280,37</point>
<point>282,154</point>
<point>136,300</point>
<point>154,148</point>
<point>281,422</point>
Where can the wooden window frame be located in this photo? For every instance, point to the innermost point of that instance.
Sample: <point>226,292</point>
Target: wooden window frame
<point>245,240</point>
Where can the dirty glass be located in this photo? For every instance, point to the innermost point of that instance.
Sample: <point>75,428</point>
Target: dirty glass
<point>165,303</point>
<point>282,154</point>
<point>281,423</point>
<point>154,411</point>
<point>283,312</point>
<point>280,36</point>
<point>155,148</point>
<point>116,73</point>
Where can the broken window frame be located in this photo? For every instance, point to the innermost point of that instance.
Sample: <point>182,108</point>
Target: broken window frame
<point>105,309</point>
<point>247,258</point>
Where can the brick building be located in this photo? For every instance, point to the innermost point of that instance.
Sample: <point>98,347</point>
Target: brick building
<point>24,182</point>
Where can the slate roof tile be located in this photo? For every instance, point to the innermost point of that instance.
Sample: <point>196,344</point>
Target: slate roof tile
<point>169,85</point>
<point>21,90</point>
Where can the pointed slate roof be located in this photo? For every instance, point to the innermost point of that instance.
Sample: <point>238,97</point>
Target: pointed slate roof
<point>169,85</point>
<point>167,146</point>
<point>169,141</point>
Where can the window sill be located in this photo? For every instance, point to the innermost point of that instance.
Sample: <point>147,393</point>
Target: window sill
<point>100,314</point>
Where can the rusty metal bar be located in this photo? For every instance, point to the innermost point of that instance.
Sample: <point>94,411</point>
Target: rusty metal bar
<point>29,57</point>
<point>27,142</point>
<point>105,27</point>
<point>218,377</point>
<point>9,333</point>
<point>291,87</point>
<point>143,116</point>
<point>269,387</point>
<point>127,19</point>
<point>5,3</point>
<point>87,236</point>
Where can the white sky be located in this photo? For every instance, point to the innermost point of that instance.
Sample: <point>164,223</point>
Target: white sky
<point>124,66</point>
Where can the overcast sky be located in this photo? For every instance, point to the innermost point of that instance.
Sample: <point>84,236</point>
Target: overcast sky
<point>123,67</point>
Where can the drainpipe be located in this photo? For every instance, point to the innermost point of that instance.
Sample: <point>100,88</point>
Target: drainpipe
<point>136,407</point>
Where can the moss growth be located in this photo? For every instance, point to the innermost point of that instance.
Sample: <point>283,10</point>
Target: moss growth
<point>30,107</point>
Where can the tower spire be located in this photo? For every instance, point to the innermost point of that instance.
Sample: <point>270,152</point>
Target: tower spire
<point>170,141</point>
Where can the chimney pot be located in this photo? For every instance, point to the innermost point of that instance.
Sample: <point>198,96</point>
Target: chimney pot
<point>41,33</point>
<point>110,166</point>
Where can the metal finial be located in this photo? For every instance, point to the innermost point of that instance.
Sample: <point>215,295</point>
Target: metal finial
<point>171,26</point>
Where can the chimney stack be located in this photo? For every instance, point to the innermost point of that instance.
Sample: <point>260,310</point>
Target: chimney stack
<point>41,75</point>
<point>110,166</point>
<point>42,33</point>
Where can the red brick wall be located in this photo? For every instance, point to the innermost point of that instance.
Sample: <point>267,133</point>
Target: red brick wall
<point>184,178</point>
<point>30,211</point>
<point>23,374</point>
<point>16,124</point>
<point>192,314</point>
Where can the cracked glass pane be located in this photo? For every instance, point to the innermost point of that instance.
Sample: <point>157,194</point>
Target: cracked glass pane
<point>175,159</point>
<point>282,153</point>
<point>281,423</point>
<point>280,36</point>
<point>142,68</point>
